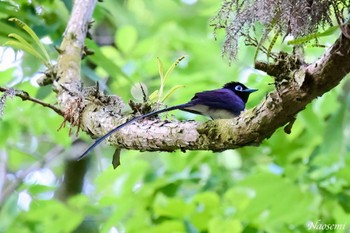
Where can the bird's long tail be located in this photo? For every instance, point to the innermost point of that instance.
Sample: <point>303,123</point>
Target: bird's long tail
<point>99,140</point>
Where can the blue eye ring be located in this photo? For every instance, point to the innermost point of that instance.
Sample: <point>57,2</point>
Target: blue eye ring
<point>238,88</point>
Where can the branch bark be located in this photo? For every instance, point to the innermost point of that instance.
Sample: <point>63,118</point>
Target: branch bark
<point>296,88</point>
<point>67,82</point>
<point>25,96</point>
<point>293,93</point>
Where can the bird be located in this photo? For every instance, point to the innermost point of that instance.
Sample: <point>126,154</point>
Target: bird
<point>224,103</point>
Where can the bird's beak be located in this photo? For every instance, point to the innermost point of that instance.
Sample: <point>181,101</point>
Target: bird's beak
<point>250,90</point>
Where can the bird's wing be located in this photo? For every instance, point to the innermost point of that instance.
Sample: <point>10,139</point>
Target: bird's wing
<point>219,99</point>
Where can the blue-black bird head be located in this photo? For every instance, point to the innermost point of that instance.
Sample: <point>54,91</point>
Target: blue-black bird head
<point>240,89</point>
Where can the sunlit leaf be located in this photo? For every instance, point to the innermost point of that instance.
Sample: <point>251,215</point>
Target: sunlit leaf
<point>171,91</point>
<point>154,96</point>
<point>30,50</point>
<point>160,68</point>
<point>225,225</point>
<point>126,38</point>
<point>172,67</point>
<point>163,78</point>
<point>34,37</point>
<point>313,36</point>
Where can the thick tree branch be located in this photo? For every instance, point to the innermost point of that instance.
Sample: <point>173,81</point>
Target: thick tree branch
<point>68,85</point>
<point>69,61</point>
<point>295,89</point>
<point>297,85</point>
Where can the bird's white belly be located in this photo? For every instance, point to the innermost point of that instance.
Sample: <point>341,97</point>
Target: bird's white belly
<point>213,113</point>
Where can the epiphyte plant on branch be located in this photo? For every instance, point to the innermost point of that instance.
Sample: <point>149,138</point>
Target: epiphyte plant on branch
<point>33,47</point>
<point>283,17</point>
<point>163,78</point>
<point>156,99</point>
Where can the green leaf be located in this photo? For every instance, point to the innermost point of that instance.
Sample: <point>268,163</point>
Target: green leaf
<point>36,189</point>
<point>53,216</point>
<point>313,36</point>
<point>174,207</point>
<point>238,198</point>
<point>78,201</point>
<point>163,78</point>
<point>307,117</point>
<point>172,67</point>
<point>101,60</point>
<point>168,226</point>
<point>160,69</point>
<point>154,96</point>
<point>335,131</point>
<point>207,205</point>
<point>190,228</point>
<point>30,50</point>
<point>264,187</point>
<point>171,91</point>
<point>20,39</point>
<point>33,36</point>
<point>8,212</point>
<point>273,42</point>
<point>222,225</point>
<point>6,76</point>
<point>126,38</point>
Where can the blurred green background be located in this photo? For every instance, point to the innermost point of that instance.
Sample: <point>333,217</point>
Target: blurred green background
<point>289,183</point>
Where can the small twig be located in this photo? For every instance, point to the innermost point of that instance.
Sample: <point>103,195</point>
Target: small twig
<point>143,93</point>
<point>288,128</point>
<point>116,158</point>
<point>25,96</point>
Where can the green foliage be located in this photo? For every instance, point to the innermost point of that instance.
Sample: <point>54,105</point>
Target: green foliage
<point>157,96</point>
<point>20,43</point>
<point>283,185</point>
<point>313,36</point>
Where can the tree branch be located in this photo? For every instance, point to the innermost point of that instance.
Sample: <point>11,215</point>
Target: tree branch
<point>67,82</point>
<point>25,96</point>
<point>295,89</point>
<point>296,86</point>
<point>69,61</point>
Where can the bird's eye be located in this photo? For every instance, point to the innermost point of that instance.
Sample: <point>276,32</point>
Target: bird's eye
<point>238,88</point>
